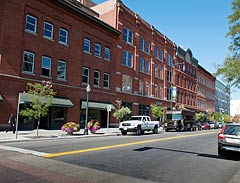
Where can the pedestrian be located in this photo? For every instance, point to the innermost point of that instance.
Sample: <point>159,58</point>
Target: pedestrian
<point>12,122</point>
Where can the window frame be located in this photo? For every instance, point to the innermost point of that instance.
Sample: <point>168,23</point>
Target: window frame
<point>127,59</point>
<point>63,36</point>
<point>64,71</point>
<point>107,53</point>
<point>85,76</point>
<point>28,63</point>
<point>51,31</point>
<point>46,67</point>
<point>97,49</point>
<point>127,36</point>
<point>97,79</point>
<point>141,43</point>
<point>87,44</point>
<point>29,23</point>
<point>106,81</point>
<point>147,66</point>
<point>141,65</point>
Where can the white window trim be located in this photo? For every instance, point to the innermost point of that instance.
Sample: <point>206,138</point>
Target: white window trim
<point>64,43</point>
<point>97,49</point>
<point>84,75</point>
<point>35,25</point>
<point>50,69</point>
<point>52,31</point>
<point>65,71</point>
<point>108,80</point>
<point>33,63</point>
<point>98,79</point>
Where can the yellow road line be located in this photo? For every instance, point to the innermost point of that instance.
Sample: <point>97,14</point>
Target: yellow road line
<point>120,145</point>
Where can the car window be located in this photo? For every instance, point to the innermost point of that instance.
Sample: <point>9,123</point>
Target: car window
<point>232,130</point>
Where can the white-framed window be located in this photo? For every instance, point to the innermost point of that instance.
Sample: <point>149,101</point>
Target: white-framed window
<point>127,36</point>
<point>147,67</point>
<point>31,24</point>
<point>141,43</point>
<point>97,50</point>
<point>61,70</point>
<point>106,80</point>
<point>141,87</point>
<point>156,52</point>
<point>148,47</point>
<point>147,89</point>
<point>86,45</point>
<point>85,75</point>
<point>156,70</point>
<point>46,66</point>
<point>169,59</point>
<point>28,62</point>
<point>160,92</point>
<point>107,53</point>
<point>96,81</point>
<point>126,83</point>
<point>161,74</point>
<point>141,64</point>
<point>63,36</point>
<point>169,76</point>
<point>48,30</point>
<point>127,59</point>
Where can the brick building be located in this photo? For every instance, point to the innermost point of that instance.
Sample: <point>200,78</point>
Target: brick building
<point>74,43</point>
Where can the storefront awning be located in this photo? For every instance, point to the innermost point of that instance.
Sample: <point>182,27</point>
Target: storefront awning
<point>96,105</point>
<point>60,102</point>
<point>1,98</point>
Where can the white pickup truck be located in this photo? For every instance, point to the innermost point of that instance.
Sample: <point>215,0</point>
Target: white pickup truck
<point>139,124</point>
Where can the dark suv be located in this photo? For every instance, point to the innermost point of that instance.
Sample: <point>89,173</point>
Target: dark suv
<point>229,139</point>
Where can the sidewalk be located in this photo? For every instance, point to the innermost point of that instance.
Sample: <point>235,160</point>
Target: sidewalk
<point>51,134</point>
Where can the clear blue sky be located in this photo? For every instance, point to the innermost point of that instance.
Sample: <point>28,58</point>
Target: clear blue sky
<point>200,25</point>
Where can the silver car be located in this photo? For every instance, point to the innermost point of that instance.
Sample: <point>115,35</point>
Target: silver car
<point>229,139</point>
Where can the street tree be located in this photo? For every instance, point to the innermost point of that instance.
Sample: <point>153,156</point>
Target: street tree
<point>42,98</point>
<point>157,111</point>
<point>200,116</point>
<point>121,113</point>
<point>230,69</point>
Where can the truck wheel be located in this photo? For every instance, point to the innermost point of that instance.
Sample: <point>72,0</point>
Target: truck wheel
<point>124,132</point>
<point>139,130</point>
<point>155,130</point>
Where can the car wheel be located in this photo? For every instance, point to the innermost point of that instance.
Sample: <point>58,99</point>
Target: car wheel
<point>221,152</point>
<point>155,130</point>
<point>139,130</point>
<point>124,132</point>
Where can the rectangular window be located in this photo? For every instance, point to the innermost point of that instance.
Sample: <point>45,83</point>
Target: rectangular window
<point>127,36</point>
<point>161,55</point>
<point>161,72</point>
<point>106,80</point>
<point>107,53</point>
<point>61,70</point>
<point>147,89</point>
<point>141,65</point>
<point>156,70</point>
<point>141,43</point>
<point>156,90</point>
<point>46,66</point>
<point>147,67</point>
<point>169,94</point>
<point>156,52</point>
<point>31,24</point>
<point>169,59</point>
<point>97,50</point>
<point>48,30</point>
<point>28,62</point>
<point>148,47</point>
<point>63,36</point>
<point>126,83</point>
<point>169,76</point>
<point>96,81</point>
<point>86,45</point>
<point>85,75</point>
<point>141,87</point>
<point>127,59</point>
<point>161,92</point>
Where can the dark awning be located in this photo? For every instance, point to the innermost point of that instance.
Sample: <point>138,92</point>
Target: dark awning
<point>60,102</point>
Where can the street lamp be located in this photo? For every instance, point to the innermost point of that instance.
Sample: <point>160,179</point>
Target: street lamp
<point>88,90</point>
<point>171,90</point>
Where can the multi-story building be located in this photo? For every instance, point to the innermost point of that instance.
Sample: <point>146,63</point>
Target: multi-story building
<point>62,42</point>
<point>74,43</point>
<point>222,98</point>
<point>205,90</point>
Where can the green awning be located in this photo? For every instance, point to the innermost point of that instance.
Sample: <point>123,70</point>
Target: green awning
<point>1,98</point>
<point>60,102</point>
<point>96,105</point>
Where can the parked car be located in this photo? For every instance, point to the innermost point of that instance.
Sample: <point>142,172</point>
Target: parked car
<point>229,139</point>
<point>220,124</point>
<point>213,125</point>
<point>197,126</point>
<point>205,126</point>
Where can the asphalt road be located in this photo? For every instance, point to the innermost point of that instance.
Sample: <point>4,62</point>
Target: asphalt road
<point>169,157</point>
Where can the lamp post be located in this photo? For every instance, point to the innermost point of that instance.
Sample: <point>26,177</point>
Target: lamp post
<point>171,92</point>
<point>88,90</point>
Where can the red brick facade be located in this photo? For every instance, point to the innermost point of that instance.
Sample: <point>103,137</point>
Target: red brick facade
<point>142,64</point>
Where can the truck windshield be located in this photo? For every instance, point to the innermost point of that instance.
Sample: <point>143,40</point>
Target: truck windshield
<point>174,116</point>
<point>135,118</point>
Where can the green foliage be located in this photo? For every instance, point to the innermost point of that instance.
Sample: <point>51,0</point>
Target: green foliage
<point>121,113</point>
<point>200,116</point>
<point>230,69</point>
<point>157,110</point>
<point>42,99</point>
<point>218,116</point>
